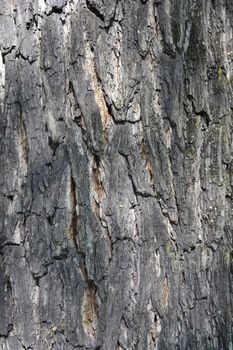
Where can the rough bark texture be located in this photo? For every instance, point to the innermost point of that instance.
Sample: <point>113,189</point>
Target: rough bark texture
<point>116,174</point>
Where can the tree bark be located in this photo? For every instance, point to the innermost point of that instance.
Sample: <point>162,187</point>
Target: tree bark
<point>116,174</point>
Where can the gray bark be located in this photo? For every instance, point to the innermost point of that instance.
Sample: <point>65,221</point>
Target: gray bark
<point>116,174</point>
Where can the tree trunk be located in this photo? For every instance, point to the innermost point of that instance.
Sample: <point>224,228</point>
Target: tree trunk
<point>116,174</point>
